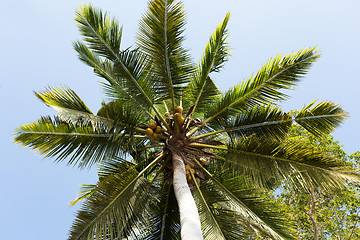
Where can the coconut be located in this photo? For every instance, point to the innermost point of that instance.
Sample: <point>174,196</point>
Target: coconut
<point>179,109</point>
<point>188,178</point>
<point>158,129</point>
<point>181,120</point>
<point>155,135</point>
<point>152,125</point>
<point>177,116</point>
<point>149,131</point>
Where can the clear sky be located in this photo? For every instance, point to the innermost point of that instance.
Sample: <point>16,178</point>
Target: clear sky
<point>36,52</point>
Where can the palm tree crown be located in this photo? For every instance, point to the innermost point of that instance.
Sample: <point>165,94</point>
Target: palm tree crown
<point>168,141</point>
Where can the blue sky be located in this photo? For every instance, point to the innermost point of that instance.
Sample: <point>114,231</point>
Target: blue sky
<point>36,52</point>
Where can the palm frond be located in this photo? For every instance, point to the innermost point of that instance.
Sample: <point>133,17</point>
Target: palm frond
<point>264,160</point>
<point>249,205</point>
<point>100,216</point>
<point>70,108</point>
<point>202,89</point>
<point>113,166</point>
<point>106,169</point>
<point>265,121</point>
<point>102,33</point>
<point>103,37</point>
<point>123,114</point>
<point>210,227</point>
<point>83,144</point>
<point>115,88</point>
<point>321,118</point>
<point>226,220</point>
<point>85,191</point>
<point>164,220</point>
<point>129,68</point>
<point>117,208</point>
<point>282,72</point>
<point>160,38</point>
<point>270,121</point>
<point>62,97</point>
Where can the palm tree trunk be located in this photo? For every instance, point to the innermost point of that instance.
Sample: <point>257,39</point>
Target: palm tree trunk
<point>189,217</point>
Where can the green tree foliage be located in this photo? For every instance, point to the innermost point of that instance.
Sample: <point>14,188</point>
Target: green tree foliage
<point>167,135</point>
<point>321,214</point>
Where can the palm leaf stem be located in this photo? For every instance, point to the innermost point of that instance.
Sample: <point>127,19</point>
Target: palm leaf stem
<point>243,127</point>
<point>172,95</point>
<point>263,124</point>
<point>127,72</point>
<point>201,145</point>
<point>205,203</point>
<point>199,95</point>
<point>166,107</point>
<point>123,190</point>
<point>249,126</point>
<point>198,145</point>
<point>85,134</point>
<point>151,146</point>
<point>105,120</point>
<point>205,76</point>
<point>72,134</point>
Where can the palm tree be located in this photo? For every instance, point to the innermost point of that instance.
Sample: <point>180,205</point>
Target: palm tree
<point>175,155</point>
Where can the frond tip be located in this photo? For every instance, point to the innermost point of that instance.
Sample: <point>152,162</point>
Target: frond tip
<point>321,118</point>
<point>160,38</point>
<point>102,33</point>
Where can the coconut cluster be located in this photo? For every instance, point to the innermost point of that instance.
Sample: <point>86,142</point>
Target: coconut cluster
<point>173,134</point>
<point>153,130</point>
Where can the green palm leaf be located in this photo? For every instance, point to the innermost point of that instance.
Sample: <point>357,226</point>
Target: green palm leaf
<point>249,206</point>
<point>110,211</point>
<point>101,33</point>
<point>160,38</point>
<point>164,222</point>
<point>64,98</point>
<point>270,121</point>
<point>85,191</point>
<point>83,144</point>
<point>70,108</point>
<point>265,160</point>
<point>115,88</point>
<point>216,220</point>
<point>202,89</point>
<point>106,170</point>
<point>210,227</point>
<point>118,218</point>
<point>114,166</point>
<point>264,87</point>
<point>123,115</point>
<point>322,118</point>
<point>264,121</point>
<point>103,36</point>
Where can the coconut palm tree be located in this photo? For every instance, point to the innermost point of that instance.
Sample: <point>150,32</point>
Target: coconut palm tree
<point>175,155</point>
